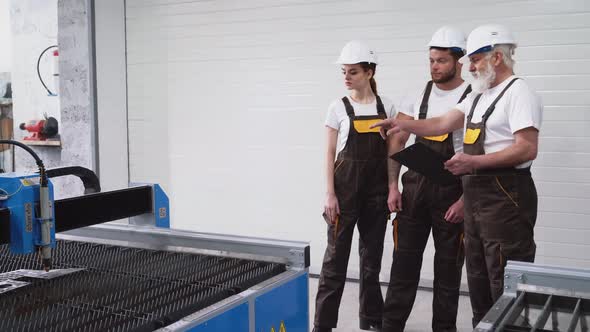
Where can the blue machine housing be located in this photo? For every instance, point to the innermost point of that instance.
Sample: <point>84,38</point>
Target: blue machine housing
<point>161,211</point>
<point>160,214</point>
<point>20,194</point>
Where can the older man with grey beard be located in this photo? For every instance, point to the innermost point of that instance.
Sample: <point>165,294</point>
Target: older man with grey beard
<point>502,118</point>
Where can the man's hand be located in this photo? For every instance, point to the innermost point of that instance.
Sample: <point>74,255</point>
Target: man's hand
<point>331,208</point>
<point>455,212</point>
<point>394,200</point>
<point>461,164</point>
<point>387,127</point>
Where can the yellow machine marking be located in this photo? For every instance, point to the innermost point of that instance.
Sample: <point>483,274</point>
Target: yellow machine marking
<point>27,182</point>
<point>282,328</point>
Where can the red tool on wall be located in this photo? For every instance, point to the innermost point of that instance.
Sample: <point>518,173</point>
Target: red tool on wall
<point>40,130</point>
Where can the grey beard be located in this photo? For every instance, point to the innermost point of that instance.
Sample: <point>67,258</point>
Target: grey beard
<point>483,81</point>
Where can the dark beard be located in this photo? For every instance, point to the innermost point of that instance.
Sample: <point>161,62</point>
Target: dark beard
<point>447,77</point>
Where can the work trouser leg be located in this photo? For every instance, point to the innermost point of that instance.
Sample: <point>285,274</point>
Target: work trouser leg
<point>411,229</point>
<point>410,236</point>
<point>372,225</point>
<point>504,215</point>
<point>448,265</point>
<point>333,274</point>
<point>477,273</point>
<point>475,258</point>
<point>507,230</point>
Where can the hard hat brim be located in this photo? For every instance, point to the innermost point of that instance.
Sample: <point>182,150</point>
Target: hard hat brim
<point>344,62</point>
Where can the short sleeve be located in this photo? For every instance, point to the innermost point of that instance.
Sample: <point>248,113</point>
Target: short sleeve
<point>390,108</point>
<point>406,104</point>
<point>525,110</point>
<point>332,118</point>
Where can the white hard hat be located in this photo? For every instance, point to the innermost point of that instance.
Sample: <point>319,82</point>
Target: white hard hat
<point>448,37</point>
<point>485,37</point>
<point>356,52</point>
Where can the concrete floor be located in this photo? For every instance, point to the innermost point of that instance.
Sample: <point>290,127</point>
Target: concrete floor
<point>419,320</point>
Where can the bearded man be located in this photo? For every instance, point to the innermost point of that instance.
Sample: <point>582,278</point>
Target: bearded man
<point>502,120</point>
<point>427,205</point>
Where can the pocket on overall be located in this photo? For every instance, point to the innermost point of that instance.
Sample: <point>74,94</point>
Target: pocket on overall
<point>471,135</point>
<point>508,185</point>
<point>499,214</point>
<point>522,250</point>
<point>412,193</point>
<point>342,173</point>
<point>363,126</point>
<point>440,138</point>
<point>337,165</point>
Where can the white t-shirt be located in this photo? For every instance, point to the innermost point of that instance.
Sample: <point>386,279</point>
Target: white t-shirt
<point>439,102</point>
<point>339,120</point>
<point>519,108</point>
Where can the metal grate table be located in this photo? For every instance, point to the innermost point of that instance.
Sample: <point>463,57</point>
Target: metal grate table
<point>540,298</point>
<point>102,287</point>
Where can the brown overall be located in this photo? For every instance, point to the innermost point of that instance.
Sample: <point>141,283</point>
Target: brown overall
<point>360,182</point>
<point>500,214</point>
<point>424,206</point>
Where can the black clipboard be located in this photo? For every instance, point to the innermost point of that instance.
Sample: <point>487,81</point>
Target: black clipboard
<point>422,159</point>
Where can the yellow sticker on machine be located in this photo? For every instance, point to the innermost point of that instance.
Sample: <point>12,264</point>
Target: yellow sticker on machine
<point>440,138</point>
<point>29,181</point>
<point>281,328</point>
<point>471,135</point>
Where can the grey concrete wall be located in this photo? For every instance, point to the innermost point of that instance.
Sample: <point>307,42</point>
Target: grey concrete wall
<point>6,118</point>
<point>34,27</point>
<point>76,84</point>
<point>65,22</point>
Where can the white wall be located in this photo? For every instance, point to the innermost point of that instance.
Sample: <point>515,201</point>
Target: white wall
<point>111,82</point>
<point>227,101</point>
<point>5,37</point>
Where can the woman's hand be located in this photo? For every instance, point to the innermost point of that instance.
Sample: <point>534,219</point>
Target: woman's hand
<point>394,200</point>
<point>331,208</point>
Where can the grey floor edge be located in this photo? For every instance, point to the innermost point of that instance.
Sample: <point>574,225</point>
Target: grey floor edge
<point>419,321</point>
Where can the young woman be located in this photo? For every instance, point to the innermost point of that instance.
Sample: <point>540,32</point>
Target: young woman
<point>357,189</point>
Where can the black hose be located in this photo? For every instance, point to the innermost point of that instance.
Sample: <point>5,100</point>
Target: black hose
<point>39,73</point>
<point>42,174</point>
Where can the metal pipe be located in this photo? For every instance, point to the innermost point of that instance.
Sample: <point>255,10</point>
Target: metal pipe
<point>575,316</point>
<point>46,218</point>
<point>540,323</point>
<point>513,312</point>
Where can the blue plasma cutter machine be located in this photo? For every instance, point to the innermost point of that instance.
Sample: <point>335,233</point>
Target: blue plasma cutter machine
<point>63,269</point>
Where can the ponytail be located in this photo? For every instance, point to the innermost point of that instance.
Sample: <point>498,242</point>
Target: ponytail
<point>373,84</point>
<point>371,66</point>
